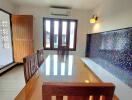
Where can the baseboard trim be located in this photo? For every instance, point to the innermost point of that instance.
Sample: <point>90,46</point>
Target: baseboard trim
<point>7,68</point>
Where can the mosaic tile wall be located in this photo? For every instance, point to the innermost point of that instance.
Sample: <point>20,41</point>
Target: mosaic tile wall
<point>113,51</point>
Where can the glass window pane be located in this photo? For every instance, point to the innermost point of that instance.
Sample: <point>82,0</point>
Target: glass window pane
<point>47,33</point>
<point>64,33</point>
<point>6,54</point>
<point>72,34</point>
<point>56,32</point>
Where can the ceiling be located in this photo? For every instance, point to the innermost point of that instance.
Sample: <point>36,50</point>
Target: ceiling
<point>76,4</point>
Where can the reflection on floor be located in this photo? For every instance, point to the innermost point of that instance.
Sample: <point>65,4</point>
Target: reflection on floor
<point>11,83</point>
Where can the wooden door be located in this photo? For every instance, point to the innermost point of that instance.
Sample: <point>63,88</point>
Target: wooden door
<point>22,26</point>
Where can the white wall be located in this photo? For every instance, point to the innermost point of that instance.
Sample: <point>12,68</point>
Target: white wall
<point>39,13</point>
<point>8,6</point>
<point>113,14</point>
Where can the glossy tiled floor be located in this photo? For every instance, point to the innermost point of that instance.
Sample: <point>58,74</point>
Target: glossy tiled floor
<point>11,83</point>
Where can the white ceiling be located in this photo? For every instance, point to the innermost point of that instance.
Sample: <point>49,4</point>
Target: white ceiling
<point>76,4</point>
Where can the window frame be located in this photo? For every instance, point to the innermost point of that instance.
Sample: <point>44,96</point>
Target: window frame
<point>60,33</point>
<point>10,15</point>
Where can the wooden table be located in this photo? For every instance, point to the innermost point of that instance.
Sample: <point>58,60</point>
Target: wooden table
<point>57,69</point>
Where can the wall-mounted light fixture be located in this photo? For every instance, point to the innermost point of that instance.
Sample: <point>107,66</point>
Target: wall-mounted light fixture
<point>93,19</point>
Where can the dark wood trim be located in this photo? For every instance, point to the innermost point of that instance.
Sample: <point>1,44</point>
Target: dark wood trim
<point>75,41</point>
<point>59,19</point>
<point>60,33</point>
<point>68,34</point>
<point>43,34</point>
<point>51,34</point>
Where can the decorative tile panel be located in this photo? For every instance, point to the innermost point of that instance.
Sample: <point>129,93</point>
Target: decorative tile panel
<point>113,51</point>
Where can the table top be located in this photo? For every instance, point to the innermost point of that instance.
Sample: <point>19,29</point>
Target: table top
<point>56,68</point>
<point>65,69</point>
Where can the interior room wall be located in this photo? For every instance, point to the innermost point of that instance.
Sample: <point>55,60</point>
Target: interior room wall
<point>7,6</point>
<point>113,14</point>
<point>39,13</point>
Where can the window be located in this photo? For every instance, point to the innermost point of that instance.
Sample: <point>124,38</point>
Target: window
<point>6,51</point>
<point>59,32</point>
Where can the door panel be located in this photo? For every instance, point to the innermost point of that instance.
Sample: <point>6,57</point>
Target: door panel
<point>22,36</point>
